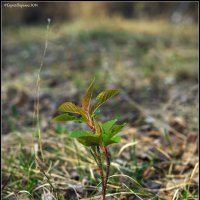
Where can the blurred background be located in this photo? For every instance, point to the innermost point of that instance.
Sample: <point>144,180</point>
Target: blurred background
<point>149,50</point>
<point>68,11</point>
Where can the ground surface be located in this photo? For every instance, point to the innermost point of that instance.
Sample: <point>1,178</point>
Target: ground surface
<point>154,64</point>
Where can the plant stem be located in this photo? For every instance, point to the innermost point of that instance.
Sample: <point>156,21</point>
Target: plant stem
<point>98,156</point>
<point>100,166</point>
<point>102,176</point>
<point>107,156</point>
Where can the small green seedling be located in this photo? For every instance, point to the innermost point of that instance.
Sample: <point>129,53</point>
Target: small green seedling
<point>101,135</point>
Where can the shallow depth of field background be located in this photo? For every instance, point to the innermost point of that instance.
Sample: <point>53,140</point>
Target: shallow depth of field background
<point>147,50</point>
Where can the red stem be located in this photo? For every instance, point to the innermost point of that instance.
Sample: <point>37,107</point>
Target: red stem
<point>105,150</point>
<point>98,156</point>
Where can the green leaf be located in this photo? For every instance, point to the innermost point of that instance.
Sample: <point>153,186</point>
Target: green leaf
<point>87,97</point>
<point>97,126</point>
<point>77,134</point>
<point>108,125</point>
<point>96,113</point>
<point>109,132</point>
<point>66,117</point>
<point>87,141</point>
<point>72,108</point>
<point>87,138</point>
<point>102,98</point>
<point>107,139</point>
<point>116,139</point>
<point>116,129</point>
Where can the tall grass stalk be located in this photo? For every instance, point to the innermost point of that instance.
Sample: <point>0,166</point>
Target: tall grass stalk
<point>36,113</point>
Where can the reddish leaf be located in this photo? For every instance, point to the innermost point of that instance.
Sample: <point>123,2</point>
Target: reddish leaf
<point>102,98</point>
<point>87,97</point>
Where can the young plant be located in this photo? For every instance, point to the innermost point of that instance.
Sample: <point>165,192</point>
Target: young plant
<point>101,135</point>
